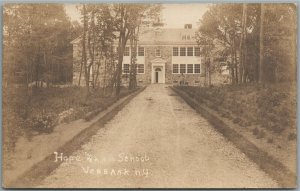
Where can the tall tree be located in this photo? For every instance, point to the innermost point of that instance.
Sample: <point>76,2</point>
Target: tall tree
<point>40,33</point>
<point>254,38</point>
<point>128,19</point>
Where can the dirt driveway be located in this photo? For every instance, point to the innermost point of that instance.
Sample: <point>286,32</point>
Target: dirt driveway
<point>157,141</point>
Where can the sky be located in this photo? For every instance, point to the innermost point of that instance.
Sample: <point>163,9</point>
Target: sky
<point>173,15</point>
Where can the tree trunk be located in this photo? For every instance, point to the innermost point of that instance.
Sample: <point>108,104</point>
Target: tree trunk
<point>242,45</point>
<point>119,69</point>
<point>133,68</point>
<point>261,44</point>
<point>122,43</point>
<point>84,56</point>
<point>81,65</point>
<point>209,75</point>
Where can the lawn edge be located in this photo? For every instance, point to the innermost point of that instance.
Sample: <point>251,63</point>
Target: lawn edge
<point>267,163</point>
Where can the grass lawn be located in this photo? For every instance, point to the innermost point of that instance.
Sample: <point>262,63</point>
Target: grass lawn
<point>273,107</point>
<point>263,114</point>
<point>25,115</point>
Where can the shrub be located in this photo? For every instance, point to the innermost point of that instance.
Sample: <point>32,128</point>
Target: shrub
<point>42,123</point>
<point>255,131</point>
<point>261,134</point>
<point>270,140</point>
<point>236,120</point>
<point>277,128</point>
<point>292,136</point>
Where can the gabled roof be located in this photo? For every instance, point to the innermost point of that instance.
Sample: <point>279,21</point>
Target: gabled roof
<point>167,36</point>
<point>163,36</point>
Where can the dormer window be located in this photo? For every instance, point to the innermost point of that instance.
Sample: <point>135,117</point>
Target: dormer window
<point>157,53</point>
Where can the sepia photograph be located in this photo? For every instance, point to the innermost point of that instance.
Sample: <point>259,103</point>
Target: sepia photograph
<point>149,95</point>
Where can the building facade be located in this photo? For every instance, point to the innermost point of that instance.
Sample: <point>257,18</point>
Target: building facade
<point>169,56</point>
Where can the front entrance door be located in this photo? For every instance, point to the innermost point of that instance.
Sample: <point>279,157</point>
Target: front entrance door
<point>158,75</point>
<point>158,71</point>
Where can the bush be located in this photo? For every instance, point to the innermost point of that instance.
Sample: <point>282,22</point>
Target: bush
<point>270,140</point>
<point>42,123</point>
<point>261,134</point>
<point>255,131</point>
<point>236,120</point>
<point>292,136</point>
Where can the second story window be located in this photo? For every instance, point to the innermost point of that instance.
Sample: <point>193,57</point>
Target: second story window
<point>157,53</point>
<point>141,51</point>
<point>182,51</point>
<point>190,51</point>
<point>175,51</point>
<point>197,51</point>
<point>126,51</point>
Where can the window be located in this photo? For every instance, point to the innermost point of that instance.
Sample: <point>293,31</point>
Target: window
<point>197,51</point>
<point>175,68</point>
<point>182,51</point>
<point>157,52</point>
<point>188,37</point>
<point>140,68</point>
<point>175,51</point>
<point>183,37</point>
<point>190,51</point>
<point>141,51</point>
<point>125,68</point>
<point>197,68</point>
<point>190,68</point>
<point>182,68</point>
<point>126,51</point>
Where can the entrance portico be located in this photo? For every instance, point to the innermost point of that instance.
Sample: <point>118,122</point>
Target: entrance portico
<point>158,71</point>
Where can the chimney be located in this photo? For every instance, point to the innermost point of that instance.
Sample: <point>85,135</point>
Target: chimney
<point>188,26</point>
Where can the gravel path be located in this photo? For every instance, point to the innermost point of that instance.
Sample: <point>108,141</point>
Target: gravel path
<point>158,141</point>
